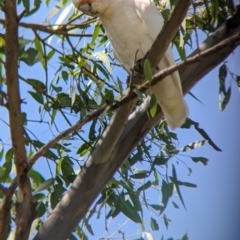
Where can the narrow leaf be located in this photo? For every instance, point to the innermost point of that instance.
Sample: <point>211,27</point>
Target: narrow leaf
<point>148,70</point>
<point>45,185</point>
<point>154,224</point>
<point>175,181</point>
<point>203,160</point>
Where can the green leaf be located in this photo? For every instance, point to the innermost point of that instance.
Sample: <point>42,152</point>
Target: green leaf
<point>214,10</point>
<point>153,106</point>
<point>185,237</point>
<point>175,181</point>
<point>49,154</point>
<point>160,160</point>
<point>39,196</point>
<point>165,220</point>
<point>186,184</point>
<point>222,75</point>
<point>41,209</point>
<point>156,207</point>
<point>50,54</point>
<point>24,118</point>
<point>193,96</point>
<point>80,233</point>
<point>84,149</point>
<point>175,205</point>
<point>22,42</point>
<point>56,195</point>
<point>9,155</point>
<point>5,170</point>
<point>36,6</point>
<point>66,167</point>
<point>38,45</point>
<point>88,226</point>
<point>127,209</point>
<point>135,200</point>
<point>45,185</point>
<point>238,82</point>
<point>140,174</point>
<point>37,96</point>
<point>135,158</point>
<point>26,5</point>
<point>64,75</point>
<point>167,190</point>
<point>1,153</point>
<point>95,33</point>
<point>147,70</point>
<point>203,160</point>
<point>154,224</point>
<point>31,56</point>
<point>189,122</point>
<point>155,182</point>
<point>145,186</point>
<point>36,177</point>
<point>36,84</point>
<point>226,99</point>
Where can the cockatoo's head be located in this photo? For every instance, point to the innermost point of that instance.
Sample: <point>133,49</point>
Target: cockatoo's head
<point>91,7</point>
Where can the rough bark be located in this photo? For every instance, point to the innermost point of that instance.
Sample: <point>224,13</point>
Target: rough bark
<point>24,208</point>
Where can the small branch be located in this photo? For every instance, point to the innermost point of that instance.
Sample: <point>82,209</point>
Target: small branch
<point>61,30</point>
<point>65,133</point>
<point>20,16</point>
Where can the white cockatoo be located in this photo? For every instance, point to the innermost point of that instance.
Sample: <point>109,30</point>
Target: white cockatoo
<point>131,26</point>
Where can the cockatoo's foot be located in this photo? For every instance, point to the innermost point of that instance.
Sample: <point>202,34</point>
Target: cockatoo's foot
<point>138,67</point>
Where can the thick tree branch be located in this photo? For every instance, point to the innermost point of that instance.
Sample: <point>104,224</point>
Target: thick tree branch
<point>24,213</point>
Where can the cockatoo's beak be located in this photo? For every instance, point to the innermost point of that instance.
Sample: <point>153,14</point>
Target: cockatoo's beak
<point>83,7</point>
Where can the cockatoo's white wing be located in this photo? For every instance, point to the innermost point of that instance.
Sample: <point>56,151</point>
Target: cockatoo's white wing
<point>169,91</point>
<point>149,16</point>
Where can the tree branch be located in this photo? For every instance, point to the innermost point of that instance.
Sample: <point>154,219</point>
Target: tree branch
<point>61,30</point>
<point>65,133</point>
<point>24,210</point>
<point>5,209</point>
